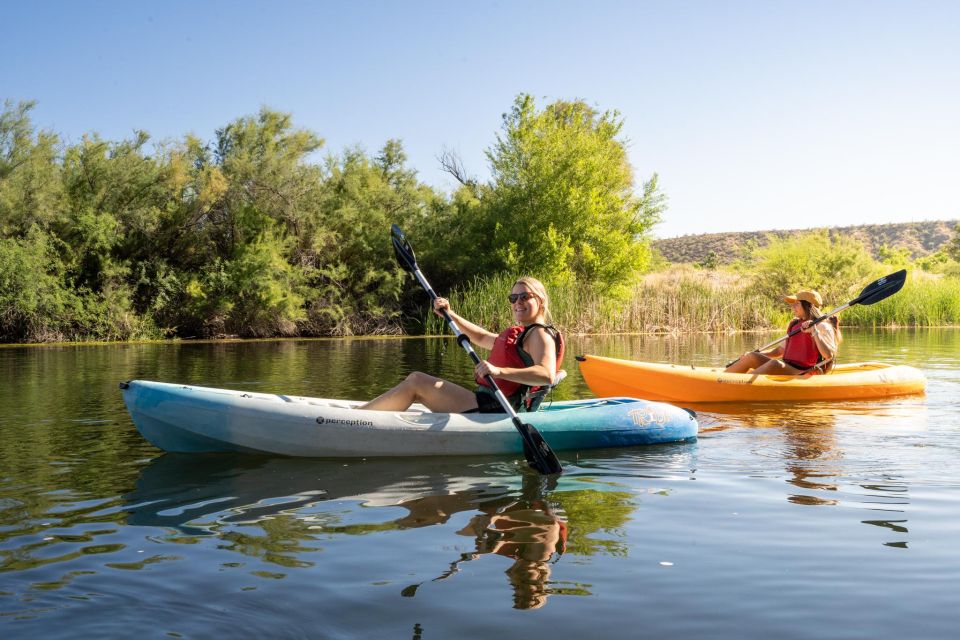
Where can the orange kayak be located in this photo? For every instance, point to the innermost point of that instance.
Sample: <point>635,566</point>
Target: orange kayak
<point>608,377</point>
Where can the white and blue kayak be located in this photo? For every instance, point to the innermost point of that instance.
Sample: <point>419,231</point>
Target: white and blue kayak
<point>180,418</point>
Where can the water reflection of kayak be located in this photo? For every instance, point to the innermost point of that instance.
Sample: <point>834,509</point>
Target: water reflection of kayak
<point>511,514</point>
<point>180,490</point>
<point>177,489</point>
<point>198,419</point>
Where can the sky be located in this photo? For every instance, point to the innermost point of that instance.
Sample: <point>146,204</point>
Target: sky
<point>770,114</point>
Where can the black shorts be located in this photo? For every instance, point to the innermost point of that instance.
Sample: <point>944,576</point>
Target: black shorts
<point>488,403</point>
<point>798,366</point>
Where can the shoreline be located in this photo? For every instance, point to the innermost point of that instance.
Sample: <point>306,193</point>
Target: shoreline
<point>236,340</point>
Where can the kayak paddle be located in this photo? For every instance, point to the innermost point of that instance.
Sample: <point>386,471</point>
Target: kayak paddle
<point>874,292</point>
<point>538,453</point>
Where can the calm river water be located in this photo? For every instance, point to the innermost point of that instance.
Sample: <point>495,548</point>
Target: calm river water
<point>829,520</point>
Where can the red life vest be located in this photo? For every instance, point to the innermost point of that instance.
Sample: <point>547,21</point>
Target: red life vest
<point>800,351</point>
<point>508,352</point>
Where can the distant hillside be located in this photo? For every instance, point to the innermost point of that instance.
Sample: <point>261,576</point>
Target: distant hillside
<point>920,238</point>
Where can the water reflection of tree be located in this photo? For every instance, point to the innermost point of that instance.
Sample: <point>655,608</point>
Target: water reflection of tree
<point>591,511</point>
<point>532,528</point>
<point>284,541</point>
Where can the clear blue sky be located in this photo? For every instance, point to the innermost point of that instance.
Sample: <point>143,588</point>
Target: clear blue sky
<point>756,115</point>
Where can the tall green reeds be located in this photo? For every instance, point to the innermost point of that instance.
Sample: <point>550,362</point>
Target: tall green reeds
<point>683,299</point>
<point>680,300</point>
<point>924,301</point>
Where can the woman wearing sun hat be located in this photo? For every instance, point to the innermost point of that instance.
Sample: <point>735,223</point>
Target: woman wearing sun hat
<point>813,348</point>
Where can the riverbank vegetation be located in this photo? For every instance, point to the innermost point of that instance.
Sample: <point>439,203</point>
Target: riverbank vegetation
<point>746,296</point>
<point>258,233</point>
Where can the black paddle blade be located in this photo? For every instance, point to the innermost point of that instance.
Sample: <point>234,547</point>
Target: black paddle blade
<point>538,453</point>
<point>402,249</point>
<point>882,288</point>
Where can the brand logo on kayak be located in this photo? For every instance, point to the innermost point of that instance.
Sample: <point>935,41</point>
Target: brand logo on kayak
<point>350,423</point>
<point>648,416</point>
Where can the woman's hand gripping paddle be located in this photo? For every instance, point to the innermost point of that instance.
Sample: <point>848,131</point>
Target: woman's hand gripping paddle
<point>874,292</point>
<point>538,453</point>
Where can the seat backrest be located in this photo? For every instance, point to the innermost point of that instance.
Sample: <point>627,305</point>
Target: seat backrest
<point>532,399</point>
<point>824,366</point>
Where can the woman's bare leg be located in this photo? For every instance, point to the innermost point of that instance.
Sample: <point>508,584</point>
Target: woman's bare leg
<point>777,368</point>
<point>748,361</point>
<point>437,394</point>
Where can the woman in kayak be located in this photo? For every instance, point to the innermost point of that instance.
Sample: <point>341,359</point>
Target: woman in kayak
<point>812,348</point>
<point>524,356</point>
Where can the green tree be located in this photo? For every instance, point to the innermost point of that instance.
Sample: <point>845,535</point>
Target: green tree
<point>709,262</point>
<point>836,266</point>
<point>562,202</point>
<point>953,247</point>
<point>30,189</point>
<point>115,198</point>
<point>249,234</point>
<point>357,278</point>
<point>34,305</point>
<point>895,257</point>
<point>256,293</point>
<point>236,237</point>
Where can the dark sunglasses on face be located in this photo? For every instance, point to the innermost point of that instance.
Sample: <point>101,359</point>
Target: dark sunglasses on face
<point>522,297</point>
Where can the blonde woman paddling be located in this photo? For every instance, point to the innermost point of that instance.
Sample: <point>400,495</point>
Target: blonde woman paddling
<point>524,357</point>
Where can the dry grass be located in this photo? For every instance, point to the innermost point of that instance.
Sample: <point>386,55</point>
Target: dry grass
<point>683,299</point>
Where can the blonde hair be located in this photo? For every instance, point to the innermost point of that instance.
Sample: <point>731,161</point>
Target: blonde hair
<point>538,290</point>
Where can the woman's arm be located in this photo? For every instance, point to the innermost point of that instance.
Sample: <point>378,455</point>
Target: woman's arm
<point>477,334</point>
<point>825,338</point>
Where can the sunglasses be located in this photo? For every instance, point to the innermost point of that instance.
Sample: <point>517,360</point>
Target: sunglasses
<point>522,297</point>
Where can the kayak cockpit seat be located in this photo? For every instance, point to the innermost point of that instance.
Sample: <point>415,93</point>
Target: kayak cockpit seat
<point>533,398</point>
<point>823,367</point>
